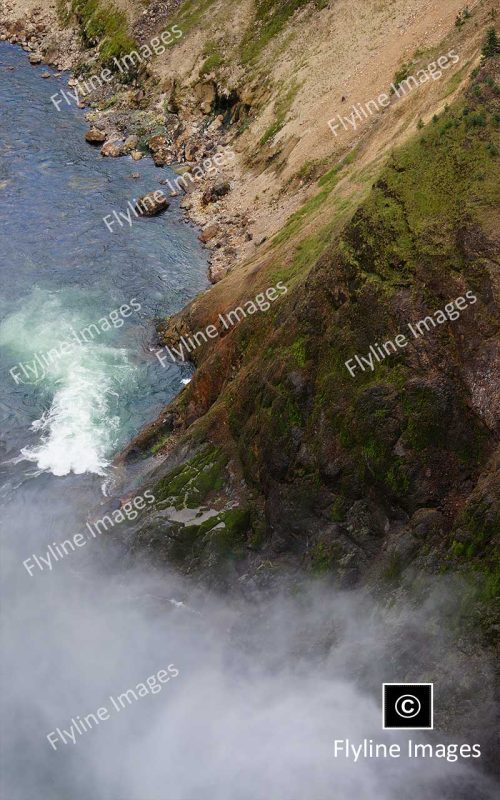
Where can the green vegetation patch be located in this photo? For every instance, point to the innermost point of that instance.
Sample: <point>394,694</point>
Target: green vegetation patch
<point>324,557</point>
<point>426,419</point>
<point>282,107</point>
<point>190,14</point>
<point>462,17</point>
<point>402,73</point>
<point>213,58</point>
<point>326,183</point>
<point>491,44</point>
<point>187,486</point>
<point>475,548</point>
<point>271,17</point>
<point>408,224</point>
<point>222,537</point>
<point>105,25</point>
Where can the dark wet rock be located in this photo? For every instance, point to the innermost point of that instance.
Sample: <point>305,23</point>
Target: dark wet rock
<point>152,203</point>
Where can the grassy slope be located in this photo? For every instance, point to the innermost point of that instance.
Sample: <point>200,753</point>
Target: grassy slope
<point>101,24</point>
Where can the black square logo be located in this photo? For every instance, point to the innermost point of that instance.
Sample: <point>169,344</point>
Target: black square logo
<point>407,706</point>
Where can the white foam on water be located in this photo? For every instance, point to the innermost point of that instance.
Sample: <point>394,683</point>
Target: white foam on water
<point>80,429</point>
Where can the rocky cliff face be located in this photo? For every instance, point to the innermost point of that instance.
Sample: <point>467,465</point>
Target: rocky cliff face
<point>348,425</point>
<point>369,468</point>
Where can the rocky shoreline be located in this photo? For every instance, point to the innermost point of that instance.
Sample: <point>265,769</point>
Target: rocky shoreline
<point>125,120</point>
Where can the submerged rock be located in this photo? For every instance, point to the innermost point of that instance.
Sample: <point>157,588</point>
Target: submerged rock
<point>152,203</point>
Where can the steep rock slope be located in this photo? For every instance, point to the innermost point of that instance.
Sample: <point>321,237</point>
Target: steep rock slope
<point>373,474</point>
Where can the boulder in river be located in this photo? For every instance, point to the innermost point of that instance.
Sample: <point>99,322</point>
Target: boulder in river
<point>113,148</point>
<point>35,58</point>
<point>95,136</point>
<point>152,203</point>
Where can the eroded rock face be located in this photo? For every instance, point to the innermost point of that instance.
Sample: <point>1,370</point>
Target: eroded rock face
<point>95,136</point>
<point>152,203</point>
<point>206,95</point>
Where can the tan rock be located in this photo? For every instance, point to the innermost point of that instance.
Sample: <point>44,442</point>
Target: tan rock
<point>136,155</point>
<point>130,144</point>
<point>163,156</point>
<point>95,136</point>
<point>205,94</point>
<point>113,148</point>
<point>208,233</point>
<point>157,143</point>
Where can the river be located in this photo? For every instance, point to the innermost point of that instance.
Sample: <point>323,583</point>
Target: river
<point>252,694</point>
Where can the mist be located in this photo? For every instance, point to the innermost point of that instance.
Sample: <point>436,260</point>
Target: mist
<point>268,677</point>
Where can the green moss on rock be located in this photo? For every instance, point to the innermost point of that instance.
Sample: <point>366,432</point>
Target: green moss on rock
<point>188,486</point>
